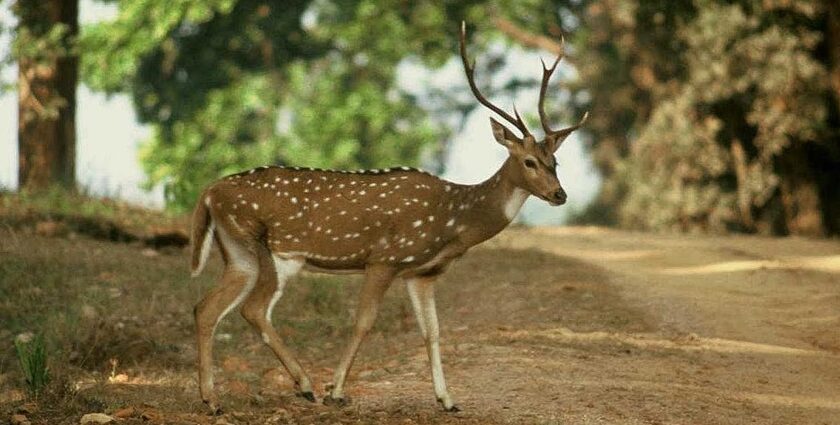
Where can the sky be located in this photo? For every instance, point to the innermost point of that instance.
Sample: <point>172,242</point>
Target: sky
<point>108,134</point>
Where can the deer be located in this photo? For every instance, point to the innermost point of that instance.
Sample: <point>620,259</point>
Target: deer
<point>271,222</point>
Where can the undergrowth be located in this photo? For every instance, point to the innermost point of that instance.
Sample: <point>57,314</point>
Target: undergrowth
<point>32,357</point>
<point>78,212</point>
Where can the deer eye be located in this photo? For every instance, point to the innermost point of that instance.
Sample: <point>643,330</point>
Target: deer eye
<point>530,163</point>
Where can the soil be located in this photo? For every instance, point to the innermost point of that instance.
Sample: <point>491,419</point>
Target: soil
<point>570,325</point>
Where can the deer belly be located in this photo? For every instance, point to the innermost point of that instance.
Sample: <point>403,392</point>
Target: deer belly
<point>333,267</point>
<point>324,248</point>
<point>439,262</point>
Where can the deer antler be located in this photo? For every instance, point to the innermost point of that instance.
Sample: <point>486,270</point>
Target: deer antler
<point>470,71</point>
<point>544,85</point>
<point>547,71</point>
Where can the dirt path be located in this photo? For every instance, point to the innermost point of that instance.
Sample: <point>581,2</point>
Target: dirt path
<point>744,328</point>
<point>542,326</point>
<point>580,326</point>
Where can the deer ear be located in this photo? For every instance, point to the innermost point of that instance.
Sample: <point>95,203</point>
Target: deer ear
<point>504,136</point>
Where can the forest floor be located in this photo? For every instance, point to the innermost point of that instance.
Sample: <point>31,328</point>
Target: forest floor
<point>567,325</point>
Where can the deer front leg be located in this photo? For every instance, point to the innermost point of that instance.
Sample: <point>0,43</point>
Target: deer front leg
<point>422,294</point>
<point>377,280</point>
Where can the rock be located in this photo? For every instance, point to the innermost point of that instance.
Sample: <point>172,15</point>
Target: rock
<point>96,418</point>
<point>119,378</point>
<point>24,338</point>
<point>124,413</point>
<point>149,252</point>
<point>19,419</point>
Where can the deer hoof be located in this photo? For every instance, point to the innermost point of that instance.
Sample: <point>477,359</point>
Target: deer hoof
<point>452,408</point>
<point>308,395</point>
<point>338,402</point>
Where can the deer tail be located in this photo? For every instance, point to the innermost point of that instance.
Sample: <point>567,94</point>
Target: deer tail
<point>202,235</point>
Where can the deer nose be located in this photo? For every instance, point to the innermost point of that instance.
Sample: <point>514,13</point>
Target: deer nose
<point>560,196</point>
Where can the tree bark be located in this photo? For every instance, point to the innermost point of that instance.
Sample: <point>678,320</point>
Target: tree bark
<point>739,162</point>
<point>800,195</point>
<point>47,98</point>
<point>833,43</point>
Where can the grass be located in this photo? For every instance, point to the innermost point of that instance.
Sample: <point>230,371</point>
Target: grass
<point>99,303</point>
<point>32,356</point>
<point>60,212</point>
<point>116,322</point>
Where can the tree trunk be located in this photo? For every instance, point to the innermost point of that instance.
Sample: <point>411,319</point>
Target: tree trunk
<point>800,194</point>
<point>47,97</point>
<point>833,43</point>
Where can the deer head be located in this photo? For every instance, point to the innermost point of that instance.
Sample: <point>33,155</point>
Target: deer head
<point>533,167</point>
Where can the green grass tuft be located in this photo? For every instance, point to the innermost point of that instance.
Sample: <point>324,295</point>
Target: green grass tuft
<point>32,357</point>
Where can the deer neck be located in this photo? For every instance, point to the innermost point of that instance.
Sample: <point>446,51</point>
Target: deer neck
<point>495,202</point>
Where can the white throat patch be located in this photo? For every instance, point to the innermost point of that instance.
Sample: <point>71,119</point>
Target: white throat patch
<point>514,203</point>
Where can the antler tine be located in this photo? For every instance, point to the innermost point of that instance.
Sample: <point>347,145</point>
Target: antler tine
<point>568,130</point>
<point>470,71</point>
<point>544,85</point>
<point>519,121</point>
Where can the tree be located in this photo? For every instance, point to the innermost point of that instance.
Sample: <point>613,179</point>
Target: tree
<point>48,74</point>
<point>729,148</point>
<point>231,84</point>
<point>706,115</point>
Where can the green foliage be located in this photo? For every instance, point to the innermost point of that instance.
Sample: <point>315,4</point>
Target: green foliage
<point>737,66</point>
<point>115,49</point>
<point>706,115</point>
<point>32,357</point>
<point>229,85</point>
<point>710,116</point>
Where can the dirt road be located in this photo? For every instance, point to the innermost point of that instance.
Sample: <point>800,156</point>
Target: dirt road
<point>543,326</point>
<point>740,329</point>
<point>593,326</point>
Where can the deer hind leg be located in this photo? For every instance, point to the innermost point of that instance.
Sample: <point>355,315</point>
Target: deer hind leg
<point>422,294</point>
<point>274,274</point>
<point>377,281</point>
<point>238,279</point>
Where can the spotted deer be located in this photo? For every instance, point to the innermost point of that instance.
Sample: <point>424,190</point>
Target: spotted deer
<point>272,222</point>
